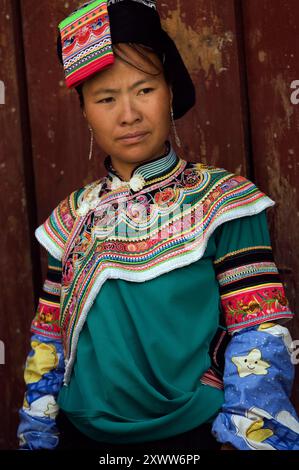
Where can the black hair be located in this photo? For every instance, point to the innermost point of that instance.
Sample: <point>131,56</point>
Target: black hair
<point>139,48</point>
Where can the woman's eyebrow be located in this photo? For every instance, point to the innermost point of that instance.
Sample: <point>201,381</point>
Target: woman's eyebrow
<point>117,90</point>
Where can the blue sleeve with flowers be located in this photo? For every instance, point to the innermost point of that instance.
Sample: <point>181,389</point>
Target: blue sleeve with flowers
<point>44,369</point>
<point>257,413</point>
<point>43,377</point>
<point>258,369</point>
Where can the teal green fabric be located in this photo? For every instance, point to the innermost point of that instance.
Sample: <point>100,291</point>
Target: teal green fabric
<point>145,345</point>
<point>53,261</point>
<point>141,353</point>
<point>243,232</point>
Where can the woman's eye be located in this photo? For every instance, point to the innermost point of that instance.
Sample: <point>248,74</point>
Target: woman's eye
<point>147,89</point>
<point>106,100</point>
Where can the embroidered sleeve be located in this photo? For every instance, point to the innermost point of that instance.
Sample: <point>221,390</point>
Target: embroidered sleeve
<point>44,369</point>
<point>46,320</point>
<point>257,413</point>
<point>54,232</point>
<point>251,290</point>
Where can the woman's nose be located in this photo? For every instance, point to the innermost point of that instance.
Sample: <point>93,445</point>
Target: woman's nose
<point>129,111</point>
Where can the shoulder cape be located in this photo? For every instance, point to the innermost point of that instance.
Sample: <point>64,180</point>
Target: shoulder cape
<point>116,239</point>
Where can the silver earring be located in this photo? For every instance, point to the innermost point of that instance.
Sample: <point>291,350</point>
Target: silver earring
<point>177,139</point>
<point>91,142</point>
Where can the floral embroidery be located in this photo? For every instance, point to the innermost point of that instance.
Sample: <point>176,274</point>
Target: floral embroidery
<point>250,287</point>
<point>68,273</point>
<point>117,183</point>
<point>256,304</point>
<point>68,220</point>
<point>46,318</point>
<point>136,211</point>
<point>91,199</point>
<point>191,177</point>
<point>165,197</point>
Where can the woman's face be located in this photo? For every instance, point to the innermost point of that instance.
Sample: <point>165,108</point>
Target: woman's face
<point>131,108</point>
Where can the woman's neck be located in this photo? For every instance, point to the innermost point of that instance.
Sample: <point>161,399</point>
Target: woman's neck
<point>125,169</point>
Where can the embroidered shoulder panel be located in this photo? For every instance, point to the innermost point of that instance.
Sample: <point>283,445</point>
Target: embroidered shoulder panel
<point>138,236</point>
<point>54,232</point>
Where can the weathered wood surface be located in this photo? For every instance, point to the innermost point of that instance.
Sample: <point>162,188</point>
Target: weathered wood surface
<point>242,56</point>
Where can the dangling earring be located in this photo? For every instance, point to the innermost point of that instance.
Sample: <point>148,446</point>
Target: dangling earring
<point>177,139</point>
<point>91,142</point>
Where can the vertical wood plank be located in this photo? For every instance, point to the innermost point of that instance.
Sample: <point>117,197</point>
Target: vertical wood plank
<point>206,34</point>
<point>272,56</point>
<point>19,262</point>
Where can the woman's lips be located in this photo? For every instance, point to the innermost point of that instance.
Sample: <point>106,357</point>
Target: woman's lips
<point>133,140</point>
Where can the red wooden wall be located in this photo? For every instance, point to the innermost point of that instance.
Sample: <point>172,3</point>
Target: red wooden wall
<point>243,58</point>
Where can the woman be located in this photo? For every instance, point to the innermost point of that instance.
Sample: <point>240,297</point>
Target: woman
<point>159,272</point>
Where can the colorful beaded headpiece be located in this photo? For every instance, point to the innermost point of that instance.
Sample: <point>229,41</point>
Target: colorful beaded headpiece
<point>86,40</point>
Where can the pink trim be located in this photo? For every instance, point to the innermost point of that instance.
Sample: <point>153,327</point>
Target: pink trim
<point>263,319</point>
<point>217,347</point>
<point>210,378</point>
<point>86,71</point>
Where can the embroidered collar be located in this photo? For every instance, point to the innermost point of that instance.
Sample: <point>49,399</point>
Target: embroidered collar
<point>146,173</point>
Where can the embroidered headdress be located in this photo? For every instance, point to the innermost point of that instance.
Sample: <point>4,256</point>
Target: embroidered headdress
<point>86,37</point>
